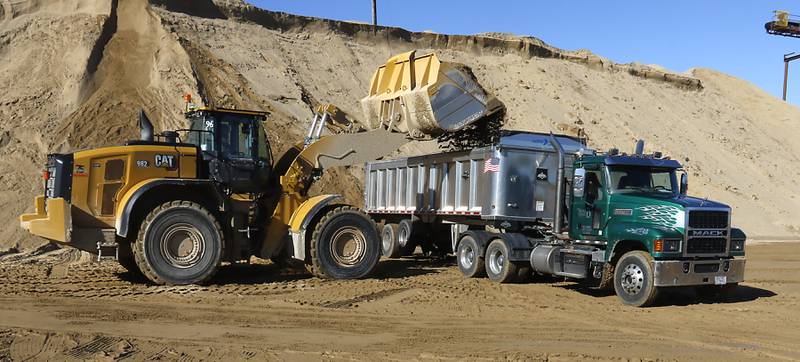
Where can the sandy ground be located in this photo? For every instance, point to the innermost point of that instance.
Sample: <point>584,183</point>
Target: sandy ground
<point>61,305</point>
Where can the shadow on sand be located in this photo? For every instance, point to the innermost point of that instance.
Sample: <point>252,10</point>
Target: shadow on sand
<point>273,273</point>
<point>683,296</point>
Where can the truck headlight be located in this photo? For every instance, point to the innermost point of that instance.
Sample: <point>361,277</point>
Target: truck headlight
<point>671,246</point>
<point>666,246</point>
<point>737,245</point>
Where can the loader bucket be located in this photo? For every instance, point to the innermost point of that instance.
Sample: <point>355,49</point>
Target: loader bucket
<point>424,97</point>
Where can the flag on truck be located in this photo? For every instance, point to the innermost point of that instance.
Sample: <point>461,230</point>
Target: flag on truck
<point>491,165</point>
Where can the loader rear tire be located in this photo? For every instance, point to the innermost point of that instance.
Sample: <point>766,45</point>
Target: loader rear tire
<point>345,245</point>
<point>179,242</point>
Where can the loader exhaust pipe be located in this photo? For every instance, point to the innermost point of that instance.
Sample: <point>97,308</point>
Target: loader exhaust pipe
<point>145,127</point>
<point>559,184</point>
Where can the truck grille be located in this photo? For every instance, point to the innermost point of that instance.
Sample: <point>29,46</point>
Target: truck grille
<point>702,219</point>
<point>706,245</point>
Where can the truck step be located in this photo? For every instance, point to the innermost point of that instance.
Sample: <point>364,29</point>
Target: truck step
<point>107,250</point>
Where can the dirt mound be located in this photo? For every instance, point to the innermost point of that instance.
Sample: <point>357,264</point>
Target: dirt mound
<point>76,72</point>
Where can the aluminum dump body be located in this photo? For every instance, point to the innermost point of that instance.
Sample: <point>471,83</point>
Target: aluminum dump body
<point>513,179</point>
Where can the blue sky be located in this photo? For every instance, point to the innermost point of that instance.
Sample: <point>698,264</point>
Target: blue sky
<point>725,35</point>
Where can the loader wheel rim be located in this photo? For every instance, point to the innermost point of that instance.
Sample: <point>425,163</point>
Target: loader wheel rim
<point>467,257</point>
<point>496,261</point>
<point>182,245</point>
<point>348,246</point>
<point>632,279</point>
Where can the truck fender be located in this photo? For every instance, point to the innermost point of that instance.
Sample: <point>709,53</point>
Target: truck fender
<point>519,245</point>
<point>140,192</point>
<point>301,220</point>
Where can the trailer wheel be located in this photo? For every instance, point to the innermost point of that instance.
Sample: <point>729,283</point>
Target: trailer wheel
<point>345,245</point>
<point>405,239</point>
<point>633,279</point>
<point>390,247</point>
<point>469,258</point>
<point>179,242</point>
<point>498,267</point>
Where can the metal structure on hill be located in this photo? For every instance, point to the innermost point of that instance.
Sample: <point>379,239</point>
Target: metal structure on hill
<point>785,24</point>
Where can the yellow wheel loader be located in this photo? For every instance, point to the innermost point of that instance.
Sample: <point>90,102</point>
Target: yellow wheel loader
<point>173,206</point>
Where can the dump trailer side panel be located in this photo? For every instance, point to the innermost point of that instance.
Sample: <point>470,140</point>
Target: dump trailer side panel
<point>512,180</point>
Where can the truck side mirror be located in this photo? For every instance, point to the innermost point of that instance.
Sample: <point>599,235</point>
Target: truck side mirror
<point>684,183</point>
<point>578,184</point>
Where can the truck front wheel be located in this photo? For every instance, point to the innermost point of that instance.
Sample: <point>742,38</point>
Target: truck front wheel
<point>179,242</point>
<point>345,245</point>
<point>633,279</point>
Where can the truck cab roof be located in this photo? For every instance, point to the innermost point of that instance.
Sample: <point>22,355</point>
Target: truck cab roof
<point>629,160</point>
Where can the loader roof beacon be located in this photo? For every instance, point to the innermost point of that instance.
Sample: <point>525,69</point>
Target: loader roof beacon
<point>547,204</point>
<point>174,205</point>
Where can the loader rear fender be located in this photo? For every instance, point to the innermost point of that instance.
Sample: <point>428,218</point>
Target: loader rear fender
<point>146,195</point>
<point>302,222</point>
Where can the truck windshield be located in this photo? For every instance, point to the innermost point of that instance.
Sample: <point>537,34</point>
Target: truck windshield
<point>627,179</point>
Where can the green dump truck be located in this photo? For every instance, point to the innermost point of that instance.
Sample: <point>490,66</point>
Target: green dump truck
<point>550,205</point>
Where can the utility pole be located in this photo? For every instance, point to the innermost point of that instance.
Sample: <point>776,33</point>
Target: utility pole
<point>786,59</point>
<point>375,15</point>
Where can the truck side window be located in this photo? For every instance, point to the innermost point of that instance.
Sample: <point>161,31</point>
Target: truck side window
<point>594,184</point>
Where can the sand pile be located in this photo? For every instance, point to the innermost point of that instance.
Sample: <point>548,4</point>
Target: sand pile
<point>76,72</point>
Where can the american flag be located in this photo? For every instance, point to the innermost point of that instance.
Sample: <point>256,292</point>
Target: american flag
<point>491,165</point>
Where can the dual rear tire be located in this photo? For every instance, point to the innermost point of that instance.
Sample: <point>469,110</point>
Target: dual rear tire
<point>494,263</point>
<point>397,240</point>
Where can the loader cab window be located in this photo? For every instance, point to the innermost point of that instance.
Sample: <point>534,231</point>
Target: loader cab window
<point>236,138</point>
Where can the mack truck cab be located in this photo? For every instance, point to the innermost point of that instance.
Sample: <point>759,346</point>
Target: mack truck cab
<point>632,223</point>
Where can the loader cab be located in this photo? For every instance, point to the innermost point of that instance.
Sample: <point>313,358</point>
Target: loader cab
<point>234,147</point>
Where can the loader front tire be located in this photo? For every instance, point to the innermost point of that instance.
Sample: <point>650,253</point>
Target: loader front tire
<point>345,245</point>
<point>179,242</point>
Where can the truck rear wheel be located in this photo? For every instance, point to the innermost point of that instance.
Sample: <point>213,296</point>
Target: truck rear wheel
<point>345,245</point>
<point>405,239</point>
<point>633,279</point>
<point>179,242</point>
<point>469,258</point>
<point>498,267</point>
<point>390,247</point>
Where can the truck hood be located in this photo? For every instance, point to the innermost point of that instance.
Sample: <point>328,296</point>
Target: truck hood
<point>662,210</point>
<point>679,201</point>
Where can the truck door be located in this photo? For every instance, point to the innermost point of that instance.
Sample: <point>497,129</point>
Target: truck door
<point>590,204</point>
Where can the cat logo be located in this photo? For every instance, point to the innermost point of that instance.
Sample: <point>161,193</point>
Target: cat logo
<point>165,161</point>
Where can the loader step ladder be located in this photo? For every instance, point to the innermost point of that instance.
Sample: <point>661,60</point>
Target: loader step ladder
<point>107,250</point>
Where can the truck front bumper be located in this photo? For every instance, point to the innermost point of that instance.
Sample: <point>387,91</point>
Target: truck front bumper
<point>675,273</point>
<point>53,222</point>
